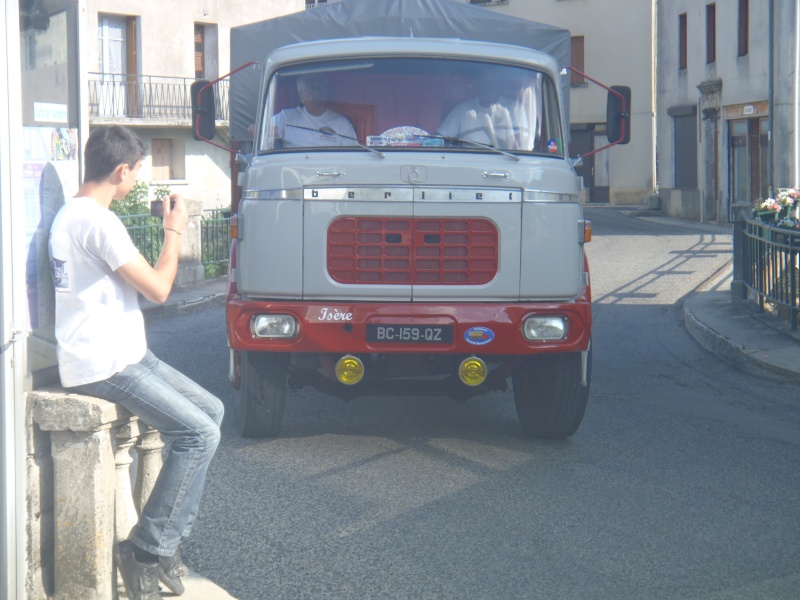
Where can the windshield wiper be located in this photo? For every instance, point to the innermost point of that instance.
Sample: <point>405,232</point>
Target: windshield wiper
<point>455,140</point>
<point>329,131</point>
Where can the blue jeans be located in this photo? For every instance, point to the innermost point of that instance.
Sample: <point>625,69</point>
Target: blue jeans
<point>170,402</point>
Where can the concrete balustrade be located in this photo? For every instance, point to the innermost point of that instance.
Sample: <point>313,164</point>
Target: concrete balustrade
<point>79,492</point>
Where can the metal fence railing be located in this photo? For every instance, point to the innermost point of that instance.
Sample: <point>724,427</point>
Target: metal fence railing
<point>146,233</point>
<point>148,96</point>
<point>215,235</point>
<point>770,265</point>
<point>148,236</point>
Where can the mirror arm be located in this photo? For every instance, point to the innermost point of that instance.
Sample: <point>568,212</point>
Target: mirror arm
<point>202,110</point>
<point>623,113</point>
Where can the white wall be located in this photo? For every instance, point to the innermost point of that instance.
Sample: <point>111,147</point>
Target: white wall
<point>165,46</point>
<point>167,28</point>
<point>618,37</point>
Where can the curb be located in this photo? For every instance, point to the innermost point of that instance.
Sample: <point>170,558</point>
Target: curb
<point>751,360</point>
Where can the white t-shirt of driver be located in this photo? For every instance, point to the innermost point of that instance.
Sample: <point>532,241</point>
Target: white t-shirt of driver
<point>99,325</point>
<point>295,128</point>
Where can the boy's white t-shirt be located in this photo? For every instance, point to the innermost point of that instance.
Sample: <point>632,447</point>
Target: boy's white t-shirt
<point>99,326</point>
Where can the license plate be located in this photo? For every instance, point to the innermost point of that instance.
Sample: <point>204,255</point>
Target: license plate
<point>414,334</point>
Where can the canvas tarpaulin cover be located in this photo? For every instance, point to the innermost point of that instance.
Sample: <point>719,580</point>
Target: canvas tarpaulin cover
<point>359,18</point>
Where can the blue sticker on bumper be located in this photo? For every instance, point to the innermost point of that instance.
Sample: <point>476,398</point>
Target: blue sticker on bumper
<point>478,336</point>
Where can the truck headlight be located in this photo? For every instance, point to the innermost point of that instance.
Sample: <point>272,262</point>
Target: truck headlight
<point>274,326</point>
<point>545,328</point>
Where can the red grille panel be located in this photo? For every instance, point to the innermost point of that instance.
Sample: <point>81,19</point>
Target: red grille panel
<point>396,251</point>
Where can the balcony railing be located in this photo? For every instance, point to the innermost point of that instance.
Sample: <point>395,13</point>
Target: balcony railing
<point>148,97</point>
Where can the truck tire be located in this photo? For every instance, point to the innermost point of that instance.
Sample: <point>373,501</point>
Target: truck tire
<point>262,395</point>
<point>550,396</point>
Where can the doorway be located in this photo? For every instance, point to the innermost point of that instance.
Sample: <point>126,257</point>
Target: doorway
<point>594,169</point>
<point>749,144</point>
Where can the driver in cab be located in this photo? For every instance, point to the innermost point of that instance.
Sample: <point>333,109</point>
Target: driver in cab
<point>312,123</point>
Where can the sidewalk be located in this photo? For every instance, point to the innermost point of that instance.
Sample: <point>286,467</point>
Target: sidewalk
<point>198,587</point>
<point>738,332</point>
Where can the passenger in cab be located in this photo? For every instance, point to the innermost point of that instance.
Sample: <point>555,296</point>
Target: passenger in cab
<point>489,118</point>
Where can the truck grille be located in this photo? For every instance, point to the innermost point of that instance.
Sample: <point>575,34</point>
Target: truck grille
<point>409,251</point>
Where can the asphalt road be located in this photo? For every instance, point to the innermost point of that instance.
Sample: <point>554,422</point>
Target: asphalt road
<point>683,481</point>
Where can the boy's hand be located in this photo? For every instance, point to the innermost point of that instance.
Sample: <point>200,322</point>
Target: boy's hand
<point>175,214</point>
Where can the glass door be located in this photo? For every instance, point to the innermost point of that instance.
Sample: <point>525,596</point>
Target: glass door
<point>111,42</point>
<point>748,146</point>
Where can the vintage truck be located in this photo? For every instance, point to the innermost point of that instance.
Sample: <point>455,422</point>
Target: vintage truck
<point>432,243</point>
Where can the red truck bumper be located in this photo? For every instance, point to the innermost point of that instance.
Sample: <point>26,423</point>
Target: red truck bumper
<point>356,327</point>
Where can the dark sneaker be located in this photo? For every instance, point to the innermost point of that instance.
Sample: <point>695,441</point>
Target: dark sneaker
<point>141,580</point>
<point>170,571</point>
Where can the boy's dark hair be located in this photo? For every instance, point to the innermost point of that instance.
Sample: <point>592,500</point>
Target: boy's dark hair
<point>108,147</point>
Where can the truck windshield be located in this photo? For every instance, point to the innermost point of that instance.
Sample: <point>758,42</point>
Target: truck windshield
<point>411,103</point>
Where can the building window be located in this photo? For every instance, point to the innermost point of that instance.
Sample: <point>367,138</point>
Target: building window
<point>576,51</point>
<point>315,3</point>
<point>206,59</point>
<point>199,51</point>
<point>711,33</point>
<point>117,65</point>
<point>162,159</point>
<point>683,44</point>
<point>744,27</point>
<point>112,45</point>
<point>167,159</point>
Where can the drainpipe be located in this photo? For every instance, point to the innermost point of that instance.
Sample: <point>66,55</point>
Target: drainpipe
<point>654,95</point>
<point>796,175</point>
<point>770,77</point>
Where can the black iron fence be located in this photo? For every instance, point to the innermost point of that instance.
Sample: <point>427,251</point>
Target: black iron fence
<point>770,265</point>
<point>148,96</point>
<point>148,236</point>
<point>215,235</point>
<point>146,233</point>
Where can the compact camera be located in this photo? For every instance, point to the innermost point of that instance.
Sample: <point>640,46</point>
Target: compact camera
<point>157,208</point>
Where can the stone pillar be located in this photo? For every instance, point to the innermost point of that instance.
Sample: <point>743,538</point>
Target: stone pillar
<point>83,513</point>
<point>81,430</point>
<point>738,288</point>
<point>126,513</point>
<point>39,583</point>
<point>150,461</point>
<point>190,267</point>
<point>712,209</point>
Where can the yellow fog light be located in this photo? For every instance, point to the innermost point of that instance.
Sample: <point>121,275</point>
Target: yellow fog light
<point>472,371</point>
<point>349,370</point>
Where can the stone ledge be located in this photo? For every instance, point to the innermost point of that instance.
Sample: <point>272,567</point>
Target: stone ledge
<point>56,409</point>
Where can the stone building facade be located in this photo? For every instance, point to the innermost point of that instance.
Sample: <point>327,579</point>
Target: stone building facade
<point>727,105</point>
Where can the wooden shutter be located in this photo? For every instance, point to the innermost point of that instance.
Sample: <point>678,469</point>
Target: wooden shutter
<point>162,159</point>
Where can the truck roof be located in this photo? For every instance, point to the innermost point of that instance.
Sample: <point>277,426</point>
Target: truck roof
<point>453,19</point>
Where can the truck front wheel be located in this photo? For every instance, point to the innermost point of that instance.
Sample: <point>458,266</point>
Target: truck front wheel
<point>550,395</point>
<point>262,395</point>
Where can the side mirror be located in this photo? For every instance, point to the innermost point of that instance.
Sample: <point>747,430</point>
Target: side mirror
<point>204,111</point>
<point>618,114</point>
